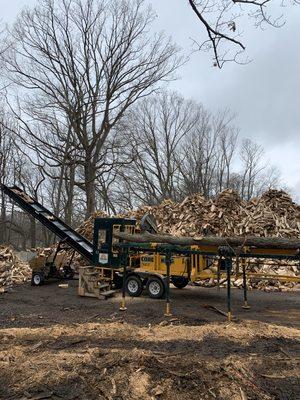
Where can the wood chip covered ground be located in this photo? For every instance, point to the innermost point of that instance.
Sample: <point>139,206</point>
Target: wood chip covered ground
<point>56,345</point>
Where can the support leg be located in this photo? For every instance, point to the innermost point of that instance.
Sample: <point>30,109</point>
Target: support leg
<point>123,306</point>
<point>219,273</point>
<point>71,259</point>
<point>53,270</point>
<point>168,264</point>
<point>228,270</point>
<point>245,306</point>
<point>237,267</point>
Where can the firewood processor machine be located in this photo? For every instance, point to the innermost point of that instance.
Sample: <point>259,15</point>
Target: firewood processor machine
<point>125,255</point>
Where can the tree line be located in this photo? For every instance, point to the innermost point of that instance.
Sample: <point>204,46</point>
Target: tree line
<point>87,121</point>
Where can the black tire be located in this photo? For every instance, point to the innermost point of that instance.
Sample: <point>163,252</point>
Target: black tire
<point>155,288</point>
<point>134,286</point>
<point>37,279</point>
<point>180,281</point>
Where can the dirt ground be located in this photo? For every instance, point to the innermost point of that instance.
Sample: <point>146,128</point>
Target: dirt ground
<point>56,345</point>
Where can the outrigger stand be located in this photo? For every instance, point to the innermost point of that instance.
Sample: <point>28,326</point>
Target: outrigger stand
<point>168,256</point>
<point>124,258</point>
<point>227,253</point>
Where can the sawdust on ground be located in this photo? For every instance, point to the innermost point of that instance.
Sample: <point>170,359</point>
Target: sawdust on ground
<point>119,360</point>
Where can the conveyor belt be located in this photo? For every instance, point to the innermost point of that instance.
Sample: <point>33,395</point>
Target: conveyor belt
<point>51,221</point>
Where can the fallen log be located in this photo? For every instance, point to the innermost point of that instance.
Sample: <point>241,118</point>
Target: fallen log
<point>256,242</point>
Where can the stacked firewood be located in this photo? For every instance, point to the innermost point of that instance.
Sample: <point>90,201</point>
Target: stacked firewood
<point>87,228</point>
<point>272,214</point>
<point>12,269</point>
<point>287,268</point>
<point>268,283</point>
<point>195,215</point>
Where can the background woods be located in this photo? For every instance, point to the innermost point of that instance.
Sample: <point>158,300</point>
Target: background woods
<point>86,121</point>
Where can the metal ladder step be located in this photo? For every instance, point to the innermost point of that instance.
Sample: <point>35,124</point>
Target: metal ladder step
<point>103,286</point>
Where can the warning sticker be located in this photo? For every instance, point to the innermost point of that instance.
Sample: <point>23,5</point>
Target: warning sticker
<point>103,258</point>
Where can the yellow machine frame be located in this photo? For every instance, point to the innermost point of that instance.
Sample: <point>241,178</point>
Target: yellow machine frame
<point>195,267</point>
<point>151,262</point>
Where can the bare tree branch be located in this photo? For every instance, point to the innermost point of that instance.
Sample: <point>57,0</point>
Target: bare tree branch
<point>222,20</point>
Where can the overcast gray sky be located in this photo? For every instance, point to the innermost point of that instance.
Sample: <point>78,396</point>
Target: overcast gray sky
<point>265,94</point>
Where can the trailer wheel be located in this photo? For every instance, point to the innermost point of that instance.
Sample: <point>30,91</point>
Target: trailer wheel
<point>180,281</point>
<point>134,285</point>
<point>155,288</point>
<point>37,279</point>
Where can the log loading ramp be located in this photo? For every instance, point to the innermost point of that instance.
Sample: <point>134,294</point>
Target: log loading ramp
<point>66,234</point>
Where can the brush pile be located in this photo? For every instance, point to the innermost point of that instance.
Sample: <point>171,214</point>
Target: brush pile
<point>12,269</point>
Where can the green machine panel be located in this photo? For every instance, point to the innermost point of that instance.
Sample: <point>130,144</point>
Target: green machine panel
<point>103,241</point>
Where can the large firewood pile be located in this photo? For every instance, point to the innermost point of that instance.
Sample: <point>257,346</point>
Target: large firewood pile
<point>272,214</point>
<point>12,269</point>
<point>87,228</point>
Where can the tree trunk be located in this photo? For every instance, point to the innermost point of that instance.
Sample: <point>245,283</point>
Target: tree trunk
<point>90,190</point>
<point>3,220</point>
<point>24,242</point>
<point>57,202</point>
<point>48,236</point>
<point>32,232</point>
<point>62,174</point>
<point>70,183</point>
<point>90,198</point>
<point>257,242</point>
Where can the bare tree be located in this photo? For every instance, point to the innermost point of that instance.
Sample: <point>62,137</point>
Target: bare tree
<point>251,157</point>
<point>158,126</point>
<point>223,21</point>
<point>178,148</point>
<point>84,63</point>
<point>15,169</point>
<point>208,154</point>
<point>255,174</point>
<point>227,142</point>
<point>6,170</point>
<point>198,161</point>
<point>269,178</point>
